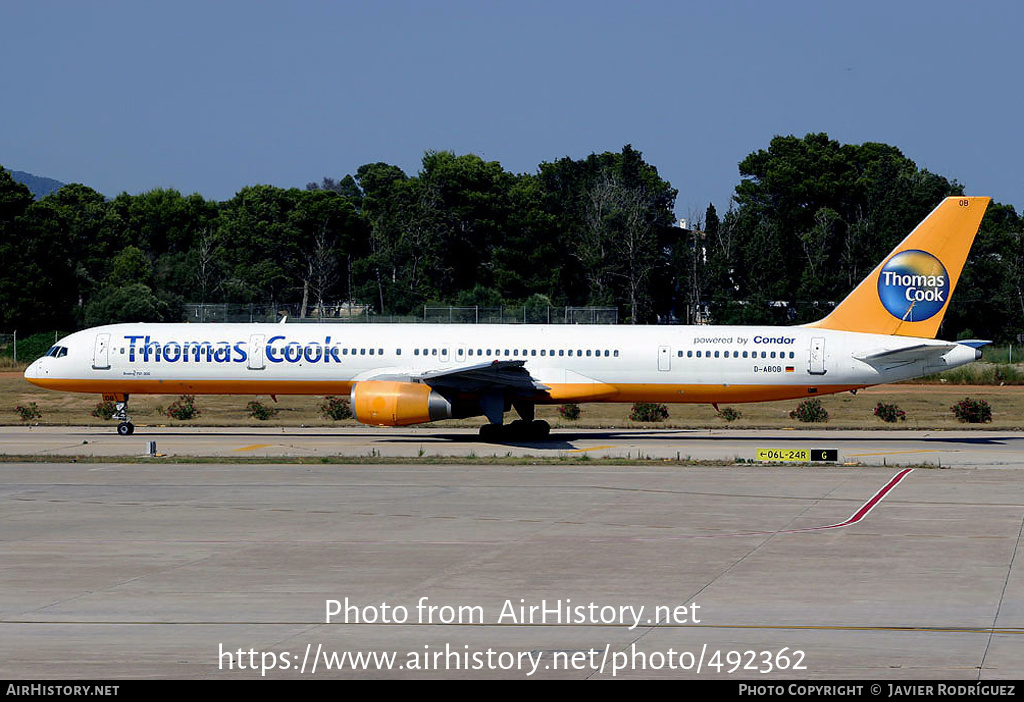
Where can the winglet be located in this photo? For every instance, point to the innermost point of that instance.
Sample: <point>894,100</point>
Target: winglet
<point>908,293</point>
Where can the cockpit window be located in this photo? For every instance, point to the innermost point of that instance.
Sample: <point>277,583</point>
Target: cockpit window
<point>57,352</point>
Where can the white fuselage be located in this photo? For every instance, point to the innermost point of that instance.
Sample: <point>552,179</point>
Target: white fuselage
<point>575,362</point>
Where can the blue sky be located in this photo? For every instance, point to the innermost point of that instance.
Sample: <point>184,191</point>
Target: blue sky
<point>211,96</point>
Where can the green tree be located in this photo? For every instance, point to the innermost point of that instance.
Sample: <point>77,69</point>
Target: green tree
<point>162,220</point>
<point>479,296</point>
<point>328,231</point>
<point>81,230</point>
<point>526,257</point>
<point>14,198</point>
<point>133,302</point>
<point>347,187</point>
<point>262,242</point>
<point>56,254</point>
<point>131,265</point>
<point>463,208</point>
<point>15,290</point>
<point>611,211</point>
<point>839,207</point>
<point>385,201</point>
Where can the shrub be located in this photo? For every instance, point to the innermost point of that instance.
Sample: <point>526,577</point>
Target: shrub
<point>183,408</point>
<point>648,412</point>
<point>810,411</point>
<point>890,412</point>
<point>336,408</point>
<point>972,411</point>
<point>104,410</point>
<point>258,410</point>
<point>28,412</point>
<point>31,347</point>
<point>570,411</point>
<point>729,414</point>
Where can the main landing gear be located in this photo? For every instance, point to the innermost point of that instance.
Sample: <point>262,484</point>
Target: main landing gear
<point>525,429</point>
<point>519,430</point>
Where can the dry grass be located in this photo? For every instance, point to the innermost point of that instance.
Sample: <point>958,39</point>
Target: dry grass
<point>927,407</point>
<point>979,373</point>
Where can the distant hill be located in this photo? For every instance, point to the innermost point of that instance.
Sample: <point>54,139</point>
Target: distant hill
<point>40,186</point>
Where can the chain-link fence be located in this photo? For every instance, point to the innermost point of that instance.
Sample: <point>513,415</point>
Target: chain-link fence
<point>9,347</point>
<point>229,312</point>
<point>17,349</point>
<point>353,313</point>
<point>532,314</point>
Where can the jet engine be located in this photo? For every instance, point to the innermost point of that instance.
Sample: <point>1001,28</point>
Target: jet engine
<point>395,403</point>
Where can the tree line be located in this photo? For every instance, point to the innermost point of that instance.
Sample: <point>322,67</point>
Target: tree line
<point>809,219</point>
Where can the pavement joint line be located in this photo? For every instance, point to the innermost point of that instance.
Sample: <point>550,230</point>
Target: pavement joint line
<point>1014,631</point>
<point>895,453</point>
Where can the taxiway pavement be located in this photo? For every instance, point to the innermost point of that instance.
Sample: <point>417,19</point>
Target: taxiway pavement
<point>154,570</point>
<point>867,447</point>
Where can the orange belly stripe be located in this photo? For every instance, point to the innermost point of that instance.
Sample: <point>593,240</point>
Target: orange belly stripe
<point>558,393</point>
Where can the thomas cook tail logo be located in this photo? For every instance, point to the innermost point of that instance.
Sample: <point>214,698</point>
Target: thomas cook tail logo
<point>913,286</point>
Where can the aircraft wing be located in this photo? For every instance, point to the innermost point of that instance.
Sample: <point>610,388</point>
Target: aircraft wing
<point>890,358</point>
<point>496,375</point>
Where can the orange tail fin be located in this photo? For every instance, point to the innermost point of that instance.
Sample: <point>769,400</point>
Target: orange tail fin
<point>908,293</point>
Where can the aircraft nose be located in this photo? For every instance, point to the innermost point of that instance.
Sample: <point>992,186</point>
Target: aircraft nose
<point>34,370</point>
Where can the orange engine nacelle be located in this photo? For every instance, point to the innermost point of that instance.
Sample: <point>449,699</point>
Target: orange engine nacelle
<point>393,403</point>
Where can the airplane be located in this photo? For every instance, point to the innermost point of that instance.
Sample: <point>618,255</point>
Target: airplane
<point>400,375</point>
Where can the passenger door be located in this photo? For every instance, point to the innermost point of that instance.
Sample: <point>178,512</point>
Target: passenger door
<point>256,360</point>
<point>101,352</point>
<point>817,358</point>
<point>664,358</point>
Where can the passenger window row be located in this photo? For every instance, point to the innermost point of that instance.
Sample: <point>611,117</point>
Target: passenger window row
<point>315,351</point>
<point>529,353</point>
<point>58,351</point>
<point>736,354</point>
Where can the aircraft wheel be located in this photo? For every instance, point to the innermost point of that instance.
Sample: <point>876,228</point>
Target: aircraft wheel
<point>125,428</point>
<point>517,430</point>
<point>491,432</point>
<point>539,429</point>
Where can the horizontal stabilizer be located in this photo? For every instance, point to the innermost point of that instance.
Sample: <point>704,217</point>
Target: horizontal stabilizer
<point>906,354</point>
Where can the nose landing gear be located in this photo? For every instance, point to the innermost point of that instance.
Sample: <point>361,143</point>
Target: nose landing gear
<point>124,426</point>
